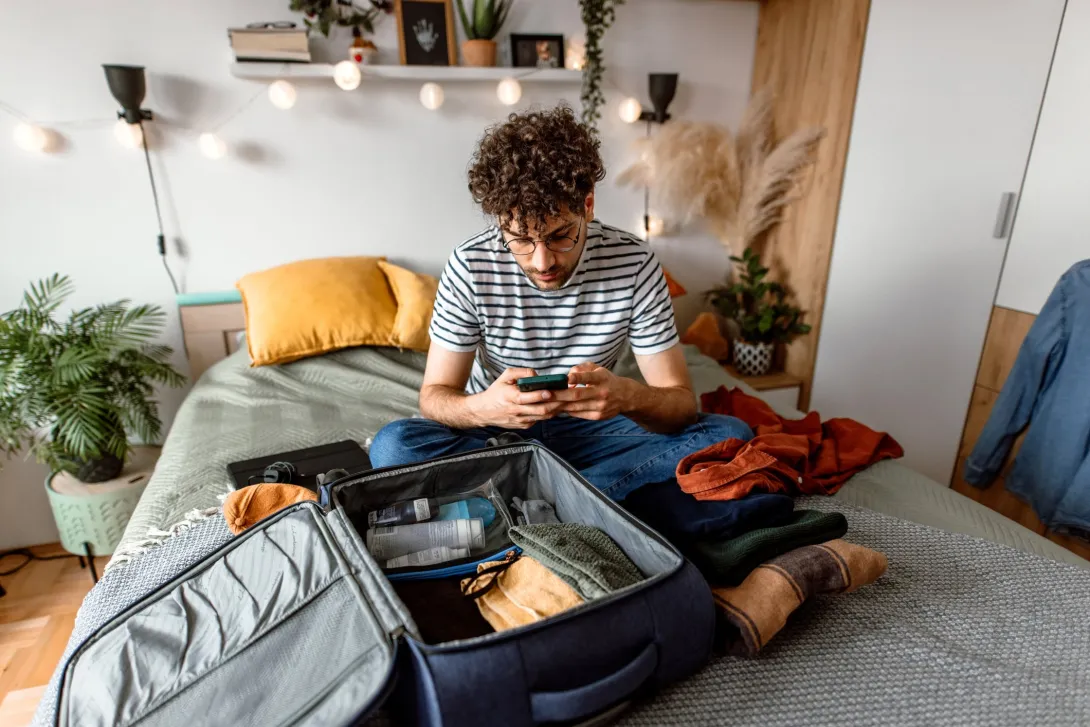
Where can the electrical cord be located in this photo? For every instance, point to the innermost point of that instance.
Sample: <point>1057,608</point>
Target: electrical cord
<point>29,556</point>
<point>158,212</point>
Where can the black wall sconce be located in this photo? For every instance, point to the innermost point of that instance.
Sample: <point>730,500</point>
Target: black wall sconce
<point>661,88</point>
<point>128,87</point>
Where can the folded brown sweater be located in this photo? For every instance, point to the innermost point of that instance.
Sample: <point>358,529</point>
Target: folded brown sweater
<point>752,613</point>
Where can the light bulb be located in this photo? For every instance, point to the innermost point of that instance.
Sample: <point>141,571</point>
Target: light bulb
<point>130,136</point>
<point>655,226</point>
<point>630,110</point>
<point>431,95</point>
<point>282,94</point>
<point>347,75</point>
<point>212,146</point>
<point>575,54</point>
<point>31,138</point>
<point>509,91</point>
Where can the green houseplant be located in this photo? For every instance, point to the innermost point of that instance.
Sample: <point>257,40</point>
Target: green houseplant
<point>322,15</point>
<point>760,309</point>
<point>481,29</point>
<point>71,389</point>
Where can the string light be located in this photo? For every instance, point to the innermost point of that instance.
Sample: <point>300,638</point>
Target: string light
<point>655,226</point>
<point>130,136</point>
<point>29,137</point>
<point>509,91</point>
<point>630,110</point>
<point>212,146</point>
<point>282,94</point>
<point>431,96</point>
<point>347,75</point>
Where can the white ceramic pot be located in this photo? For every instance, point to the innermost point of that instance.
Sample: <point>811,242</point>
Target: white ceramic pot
<point>753,359</point>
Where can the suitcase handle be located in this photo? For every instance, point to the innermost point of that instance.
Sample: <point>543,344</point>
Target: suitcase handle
<point>572,704</point>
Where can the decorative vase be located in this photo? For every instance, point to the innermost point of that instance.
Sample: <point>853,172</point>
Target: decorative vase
<point>94,516</point>
<point>753,359</point>
<point>479,53</point>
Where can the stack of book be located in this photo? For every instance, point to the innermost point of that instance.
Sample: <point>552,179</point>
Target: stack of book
<point>270,44</point>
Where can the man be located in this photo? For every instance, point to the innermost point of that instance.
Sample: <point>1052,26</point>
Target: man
<point>549,289</point>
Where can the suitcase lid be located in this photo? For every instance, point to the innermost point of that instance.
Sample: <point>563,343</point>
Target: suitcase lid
<point>288,623</point>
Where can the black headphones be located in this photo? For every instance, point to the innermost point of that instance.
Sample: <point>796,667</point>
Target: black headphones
<point>281,472</point>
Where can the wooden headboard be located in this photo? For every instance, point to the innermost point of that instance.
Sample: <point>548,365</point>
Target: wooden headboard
<point>211,326</point>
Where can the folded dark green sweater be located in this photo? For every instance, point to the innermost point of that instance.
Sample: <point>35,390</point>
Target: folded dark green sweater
<point>728,562</point>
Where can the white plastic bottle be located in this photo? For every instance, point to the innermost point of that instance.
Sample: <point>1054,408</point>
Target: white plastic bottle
<point>431,556</point>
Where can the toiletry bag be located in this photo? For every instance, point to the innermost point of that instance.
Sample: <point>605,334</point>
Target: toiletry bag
<point>294,623</point>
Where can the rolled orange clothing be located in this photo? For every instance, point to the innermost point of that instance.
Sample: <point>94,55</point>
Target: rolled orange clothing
<point>752,613</point>
<point>522,593</point>
<point>245,507</point>
<point>794,456</point>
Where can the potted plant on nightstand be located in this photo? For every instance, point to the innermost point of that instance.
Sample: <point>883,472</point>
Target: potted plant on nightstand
<point>760,309</point>
<point>72,390</point>
<point>481,29</point>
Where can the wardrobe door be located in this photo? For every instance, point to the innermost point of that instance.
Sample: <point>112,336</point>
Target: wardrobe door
<point>948,98</point>
<point>1052,229</point>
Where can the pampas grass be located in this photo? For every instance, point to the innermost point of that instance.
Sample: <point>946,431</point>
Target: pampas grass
<point>738,184</point>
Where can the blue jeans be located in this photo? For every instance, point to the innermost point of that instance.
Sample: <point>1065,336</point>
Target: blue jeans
<point>617,455</point>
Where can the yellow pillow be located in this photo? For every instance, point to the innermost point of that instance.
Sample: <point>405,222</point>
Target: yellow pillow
<point>415,295</point>
<point>311,307</point>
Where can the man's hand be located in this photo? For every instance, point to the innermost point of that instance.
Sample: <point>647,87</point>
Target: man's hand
<point>603,395</point>
<point>503,405</point>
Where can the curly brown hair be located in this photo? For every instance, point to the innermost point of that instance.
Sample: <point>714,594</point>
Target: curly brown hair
<point>535,165</point>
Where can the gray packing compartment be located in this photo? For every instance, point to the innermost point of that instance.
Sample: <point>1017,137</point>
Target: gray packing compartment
<point>293,622</point>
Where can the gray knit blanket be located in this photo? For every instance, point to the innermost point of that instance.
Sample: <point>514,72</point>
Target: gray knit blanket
<point>960,630</point>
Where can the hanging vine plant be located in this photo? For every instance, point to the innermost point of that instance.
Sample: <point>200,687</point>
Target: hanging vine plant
<point>597,17</point>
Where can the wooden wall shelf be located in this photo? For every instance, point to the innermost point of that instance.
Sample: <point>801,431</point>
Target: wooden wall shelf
<point>273,71</point>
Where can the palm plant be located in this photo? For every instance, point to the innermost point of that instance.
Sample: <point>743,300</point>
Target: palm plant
<point>487,19</point>
<point>71,389</point>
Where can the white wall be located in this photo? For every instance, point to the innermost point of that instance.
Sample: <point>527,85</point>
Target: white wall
<point>1052,228</point>
<point>368,172</point>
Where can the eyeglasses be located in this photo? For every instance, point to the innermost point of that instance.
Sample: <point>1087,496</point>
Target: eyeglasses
<point>278,25</point>
<point>555,243</point>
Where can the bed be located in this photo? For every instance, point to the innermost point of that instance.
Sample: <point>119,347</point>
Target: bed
<point>979,620</point>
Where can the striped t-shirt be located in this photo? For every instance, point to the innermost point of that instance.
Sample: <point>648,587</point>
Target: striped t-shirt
<point>616,296</point>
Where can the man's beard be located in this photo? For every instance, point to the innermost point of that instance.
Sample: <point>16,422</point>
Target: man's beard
<point>558,277</point>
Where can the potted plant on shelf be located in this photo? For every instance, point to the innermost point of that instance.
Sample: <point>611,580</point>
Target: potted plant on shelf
<point>481,29</point>
<point>760,309</point>
<point>73,389</point>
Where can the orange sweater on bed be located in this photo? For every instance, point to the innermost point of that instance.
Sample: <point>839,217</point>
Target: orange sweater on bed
<point>794,456</point>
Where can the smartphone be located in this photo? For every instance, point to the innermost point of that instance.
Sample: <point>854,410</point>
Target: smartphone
<point>553,382</point>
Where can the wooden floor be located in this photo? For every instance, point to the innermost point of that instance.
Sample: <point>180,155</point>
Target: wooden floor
<point>36,619</point>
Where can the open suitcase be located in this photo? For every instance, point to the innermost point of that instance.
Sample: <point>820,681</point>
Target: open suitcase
<point>293,622</point>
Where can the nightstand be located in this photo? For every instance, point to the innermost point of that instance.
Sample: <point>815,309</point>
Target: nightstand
<point>779,388</point>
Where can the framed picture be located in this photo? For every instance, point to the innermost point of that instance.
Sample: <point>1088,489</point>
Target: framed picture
<point>425,32</point>
<point>537,51</point>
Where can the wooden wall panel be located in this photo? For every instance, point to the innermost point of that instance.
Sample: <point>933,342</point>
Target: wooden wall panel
<point>1006,331</point>
<point>810,53</point>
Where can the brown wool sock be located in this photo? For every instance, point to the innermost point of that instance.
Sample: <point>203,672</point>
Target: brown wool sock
<point>752,613</point>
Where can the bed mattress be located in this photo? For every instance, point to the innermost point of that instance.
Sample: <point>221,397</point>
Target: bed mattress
<point>236,412</point>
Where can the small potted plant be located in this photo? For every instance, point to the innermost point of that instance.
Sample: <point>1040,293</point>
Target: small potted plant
<point>481,29</point>
<point>760,309</point>
<point>73,389</point>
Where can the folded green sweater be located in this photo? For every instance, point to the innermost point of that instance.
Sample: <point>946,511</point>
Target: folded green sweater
<point>582,556</point>
<point>728,562</point>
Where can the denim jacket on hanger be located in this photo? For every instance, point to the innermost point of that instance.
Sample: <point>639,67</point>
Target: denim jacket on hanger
<point>1048,389</point>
